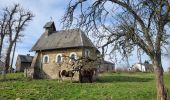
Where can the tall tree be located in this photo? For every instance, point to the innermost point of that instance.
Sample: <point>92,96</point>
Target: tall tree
<point>3,30</point>
<point>17,19</point>
<point>169,51</point>
<point>128,24</point>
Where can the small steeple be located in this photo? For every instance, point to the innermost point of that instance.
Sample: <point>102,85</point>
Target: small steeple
<point>49,27</point>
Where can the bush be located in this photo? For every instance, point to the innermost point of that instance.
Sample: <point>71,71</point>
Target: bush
<point>121,69</point>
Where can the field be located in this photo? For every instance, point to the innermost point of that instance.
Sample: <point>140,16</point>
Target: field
<point>109,86</point>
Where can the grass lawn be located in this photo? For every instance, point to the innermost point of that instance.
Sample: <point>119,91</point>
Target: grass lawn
<point>115,86</point>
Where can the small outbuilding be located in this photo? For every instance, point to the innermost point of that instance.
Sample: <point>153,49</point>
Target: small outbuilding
<point>142,67</point>
<point>106,66</point>
<point>23,62</point>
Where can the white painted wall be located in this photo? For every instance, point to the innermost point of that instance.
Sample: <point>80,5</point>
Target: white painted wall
<point>141,67</point>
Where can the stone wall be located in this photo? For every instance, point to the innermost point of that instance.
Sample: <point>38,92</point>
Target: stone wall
<point>18,65</point>
<point>24,65</point>
<point>51,69</point>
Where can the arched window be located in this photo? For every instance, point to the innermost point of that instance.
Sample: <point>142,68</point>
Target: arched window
<point>73,56</point>
<point>45,59</point>
<point>59,58</point>
<point>87,53</point>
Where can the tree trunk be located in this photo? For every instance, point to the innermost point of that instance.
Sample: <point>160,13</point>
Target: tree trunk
<point>10,69</point>
<point>80,76</point>
<point>1,43</point>
<point>7,60</point>
<point>161,91</point>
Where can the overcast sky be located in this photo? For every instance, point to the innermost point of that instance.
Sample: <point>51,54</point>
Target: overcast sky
<point>43,11</point>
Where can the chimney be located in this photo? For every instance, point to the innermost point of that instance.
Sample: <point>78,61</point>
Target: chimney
<point>49,28</point>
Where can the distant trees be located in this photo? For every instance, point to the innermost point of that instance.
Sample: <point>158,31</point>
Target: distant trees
<point>3,30</point>
<point>13,21</point>
<point>169,51</point>
<point>146,62</point>
<point>168,57</point>
<point>125,24</point>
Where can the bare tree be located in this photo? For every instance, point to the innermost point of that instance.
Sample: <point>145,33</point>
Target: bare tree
<point>168,52</point>
<point>3,30</point>
<point>17,19</point>
<point>127,24</point>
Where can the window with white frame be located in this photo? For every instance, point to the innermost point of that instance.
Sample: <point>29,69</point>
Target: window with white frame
<point>45,59</point>
<point>87,53</point>
<point>59,58</point>
<point>73,56</point>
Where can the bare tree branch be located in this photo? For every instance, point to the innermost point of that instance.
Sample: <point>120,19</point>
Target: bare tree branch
<point>135,23</point>
<point>16,20</point>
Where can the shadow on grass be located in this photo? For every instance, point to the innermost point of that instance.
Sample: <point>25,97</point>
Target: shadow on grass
<point>101,79</point>
<point>110,79</point>
<point>11,79</point>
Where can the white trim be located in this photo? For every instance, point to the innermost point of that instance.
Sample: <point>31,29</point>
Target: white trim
<point>85,54</point>
<point>56,59</point>
<point>74,54</point>
<point>47,59</point>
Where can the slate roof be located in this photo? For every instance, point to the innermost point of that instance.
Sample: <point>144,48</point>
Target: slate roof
<point>62,39</point>
<point>25,58</point>
<point>50,24</point>
<point>107,62</point>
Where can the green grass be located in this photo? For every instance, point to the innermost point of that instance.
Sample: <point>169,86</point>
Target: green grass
<point>122,86</point>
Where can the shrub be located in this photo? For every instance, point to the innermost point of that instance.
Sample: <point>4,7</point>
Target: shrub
<point>121,69</point>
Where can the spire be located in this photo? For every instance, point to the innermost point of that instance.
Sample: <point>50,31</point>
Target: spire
<point>49,27</point>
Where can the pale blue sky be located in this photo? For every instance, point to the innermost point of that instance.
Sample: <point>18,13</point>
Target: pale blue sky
<point>43,11</point>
